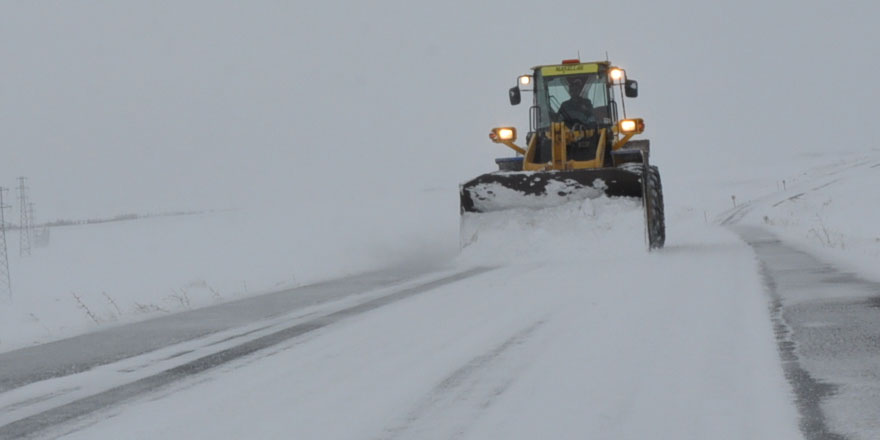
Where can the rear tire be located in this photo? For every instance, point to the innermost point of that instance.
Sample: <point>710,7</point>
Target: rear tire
<point>655,222</point>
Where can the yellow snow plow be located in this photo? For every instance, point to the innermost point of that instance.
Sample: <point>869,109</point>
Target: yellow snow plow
<point>578,146</point>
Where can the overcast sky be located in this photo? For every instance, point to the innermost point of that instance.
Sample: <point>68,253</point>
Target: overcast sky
<point>119,106</point>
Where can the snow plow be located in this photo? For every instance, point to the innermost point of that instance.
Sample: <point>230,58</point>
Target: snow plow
<point>578,147</point>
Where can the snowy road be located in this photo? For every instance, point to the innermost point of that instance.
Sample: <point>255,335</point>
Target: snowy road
<point>617,343</point>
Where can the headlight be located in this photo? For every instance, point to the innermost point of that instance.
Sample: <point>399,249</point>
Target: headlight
<point>503,134</point>
<point>525,80</point>
<point>631,126</point>
<point>616,74</point>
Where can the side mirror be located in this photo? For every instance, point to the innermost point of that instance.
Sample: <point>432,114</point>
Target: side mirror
<point>631,88</point>
<point>515,97</point>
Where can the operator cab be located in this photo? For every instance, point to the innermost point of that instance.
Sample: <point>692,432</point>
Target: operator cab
<point>577,94</point>
<point>556,95</point>
<point>584,97</point>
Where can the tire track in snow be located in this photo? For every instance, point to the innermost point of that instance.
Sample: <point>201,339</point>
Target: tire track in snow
<point>460,398</point>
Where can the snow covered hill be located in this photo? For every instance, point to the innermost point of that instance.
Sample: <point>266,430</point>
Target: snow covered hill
<point>832,210</point>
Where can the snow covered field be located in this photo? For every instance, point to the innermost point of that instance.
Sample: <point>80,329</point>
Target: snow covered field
<point>95,276</point>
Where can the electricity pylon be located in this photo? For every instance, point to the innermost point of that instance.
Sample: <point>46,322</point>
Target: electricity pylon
<point>5,279</point>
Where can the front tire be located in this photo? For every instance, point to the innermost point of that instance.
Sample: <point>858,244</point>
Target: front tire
<point>655,222</point>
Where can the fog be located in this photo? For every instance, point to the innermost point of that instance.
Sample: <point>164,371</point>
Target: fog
<point>112,107</point>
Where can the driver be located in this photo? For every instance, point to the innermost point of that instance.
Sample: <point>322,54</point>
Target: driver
<point>577,110</point>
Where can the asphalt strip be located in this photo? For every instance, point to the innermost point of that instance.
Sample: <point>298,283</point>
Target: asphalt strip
<point>827,335</point>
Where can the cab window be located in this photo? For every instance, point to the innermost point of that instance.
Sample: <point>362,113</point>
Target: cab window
<point>552,91</point>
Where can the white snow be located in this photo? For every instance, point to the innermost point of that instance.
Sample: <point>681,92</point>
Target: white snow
<point>579,333</point>
<point>582,226</point>
<point>831,210</point>
<point>92,277</point>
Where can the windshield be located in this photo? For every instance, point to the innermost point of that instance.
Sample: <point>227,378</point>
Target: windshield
<point>553,91</point>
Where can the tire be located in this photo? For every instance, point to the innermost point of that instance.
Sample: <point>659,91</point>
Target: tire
<point>655,222</point>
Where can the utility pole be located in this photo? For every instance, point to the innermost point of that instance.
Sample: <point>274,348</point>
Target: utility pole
<point>5,279</point>
<point>24,243</point>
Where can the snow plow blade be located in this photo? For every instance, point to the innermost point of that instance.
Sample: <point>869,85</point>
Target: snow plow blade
<point>540,189</point>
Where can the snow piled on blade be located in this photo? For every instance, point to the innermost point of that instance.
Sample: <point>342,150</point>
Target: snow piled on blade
<point>574,229</point>
<point>494,196</point>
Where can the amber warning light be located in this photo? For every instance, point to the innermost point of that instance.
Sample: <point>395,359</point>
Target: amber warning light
<point>503,134</point>
<point>632,126</point>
